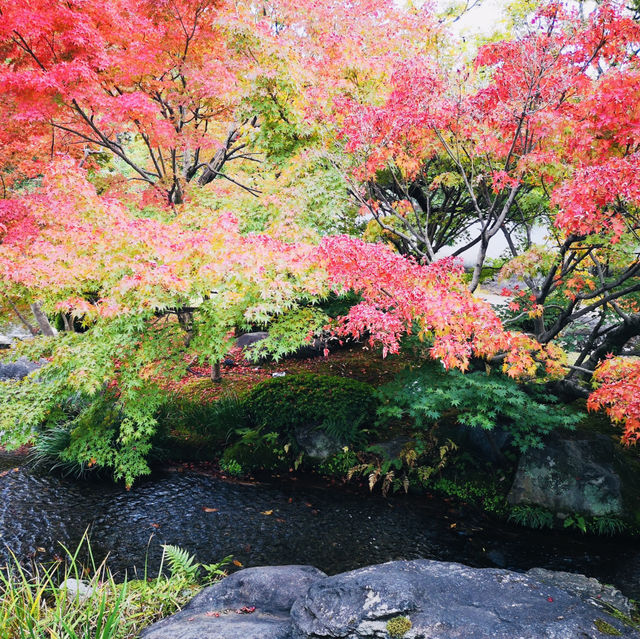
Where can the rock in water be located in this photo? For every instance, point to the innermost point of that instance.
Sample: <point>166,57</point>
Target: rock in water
<point>421,599</point>
<point>271,590</point>
<point>570,476</point>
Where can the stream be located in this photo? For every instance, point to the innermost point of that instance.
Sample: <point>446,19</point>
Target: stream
<point>283,522</point>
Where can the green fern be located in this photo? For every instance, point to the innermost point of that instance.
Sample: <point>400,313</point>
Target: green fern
<point>212,572</point>
<point>181,562</point>
<point>345,431</point>
<point>183,565</point>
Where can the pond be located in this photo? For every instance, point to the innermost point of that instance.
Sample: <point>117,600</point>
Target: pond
<point>286,522</point>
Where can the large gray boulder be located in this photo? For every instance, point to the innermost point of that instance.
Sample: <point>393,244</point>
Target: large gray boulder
<point>443,601</point>
<point>249,339</point>
<point>19,369</point>
<point>587,588</point>
<point>433,600</point>
<point>570,476</point>
<point>221,611</point>
<point>315,348</point>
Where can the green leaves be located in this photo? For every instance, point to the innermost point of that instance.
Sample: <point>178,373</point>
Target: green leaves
<point>310,400</point>
<point>474,399</point>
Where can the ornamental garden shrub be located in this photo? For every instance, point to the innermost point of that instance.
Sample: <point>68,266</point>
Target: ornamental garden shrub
<point>431,393</point>
<point>309,400</point>
<point>340,407</point>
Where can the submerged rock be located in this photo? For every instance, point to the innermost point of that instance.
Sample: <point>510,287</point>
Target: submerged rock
<point>570,476</point>
<point>426,599</point>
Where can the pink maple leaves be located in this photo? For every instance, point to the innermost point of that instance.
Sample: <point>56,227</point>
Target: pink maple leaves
<point>401,296</point>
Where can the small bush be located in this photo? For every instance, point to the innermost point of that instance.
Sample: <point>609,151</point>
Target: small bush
<point>474,399</point>
<point>307,400</point>
<point>56,447</point>
<point>193,430</point>
<point>416,464</point>
<point>532,517</point>
<point>259,449</point>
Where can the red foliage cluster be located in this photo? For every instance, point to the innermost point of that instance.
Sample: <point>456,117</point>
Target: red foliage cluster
<point>619,394</point>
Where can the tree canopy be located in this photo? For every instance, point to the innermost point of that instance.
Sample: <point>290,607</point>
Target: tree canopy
<point>174,171</point>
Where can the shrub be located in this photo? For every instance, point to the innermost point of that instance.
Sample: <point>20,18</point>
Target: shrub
<point>477,399</point>
<point>308,400</point>
<point>59,446</point>
<point>214,420</point>
<point>259,449</point>
<point>194,430</point>
<point>417,462</point>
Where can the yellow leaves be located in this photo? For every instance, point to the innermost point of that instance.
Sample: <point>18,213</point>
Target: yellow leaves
<point>447,179</point>
<point>536,311</point>
<point>528,359</point>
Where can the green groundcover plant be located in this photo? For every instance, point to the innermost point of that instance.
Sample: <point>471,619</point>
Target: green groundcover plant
<point>44,602</point>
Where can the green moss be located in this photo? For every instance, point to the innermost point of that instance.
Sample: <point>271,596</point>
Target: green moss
<point>606,628</point>
<point>398,626</point>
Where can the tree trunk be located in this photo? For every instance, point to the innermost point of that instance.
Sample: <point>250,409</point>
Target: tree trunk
<point>29,326</point>
<point>185,319</point>
<point>477,269</point>
<point>216,375</point>
<point>615,341</point>
<point>43,321</point>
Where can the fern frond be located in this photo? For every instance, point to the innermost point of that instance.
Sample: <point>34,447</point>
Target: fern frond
<point>180,561</point>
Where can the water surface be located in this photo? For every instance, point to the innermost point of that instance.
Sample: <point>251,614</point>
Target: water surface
<point>279,523</point>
